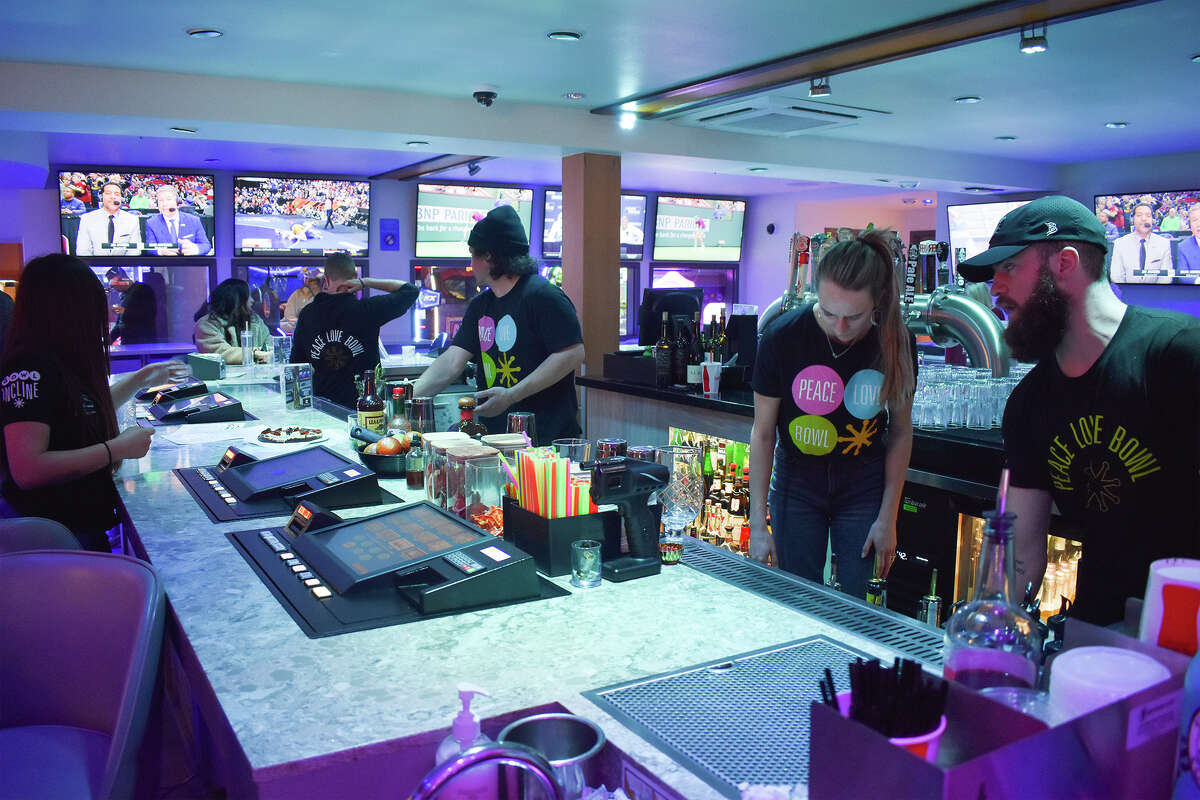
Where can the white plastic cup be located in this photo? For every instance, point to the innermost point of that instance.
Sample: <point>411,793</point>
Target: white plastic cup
<point>1083,679</point>
<point>1171,604</point>
<point>711,376</point>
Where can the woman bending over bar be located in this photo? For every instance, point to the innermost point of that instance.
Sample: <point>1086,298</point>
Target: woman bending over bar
<point>833,389</point>
<point>61,441</point>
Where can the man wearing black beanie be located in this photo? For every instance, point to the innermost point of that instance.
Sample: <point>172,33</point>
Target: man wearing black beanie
<point>520,330</point>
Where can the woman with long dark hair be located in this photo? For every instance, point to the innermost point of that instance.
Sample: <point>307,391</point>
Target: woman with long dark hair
<point>229,313</point>
<point>61,441</point>
<point>833,389</point>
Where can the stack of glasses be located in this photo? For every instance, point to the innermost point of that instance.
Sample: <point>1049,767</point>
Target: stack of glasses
<point>962,397</point>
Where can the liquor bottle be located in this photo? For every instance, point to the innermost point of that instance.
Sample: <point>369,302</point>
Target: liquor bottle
<point>415,463</point>
<point>467,423</point>
<point>739,503</point>
<point>662,355</point>
<point>722,341</point>
<point>370,406</point>
<point>719,466</point>
<point>397,415</point>
<point>695,375</point>
<point>679,356</point>
<point>990,640</point>
<point>710,345</point>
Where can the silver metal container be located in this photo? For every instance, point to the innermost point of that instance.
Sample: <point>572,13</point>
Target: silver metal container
<point>567,741</point>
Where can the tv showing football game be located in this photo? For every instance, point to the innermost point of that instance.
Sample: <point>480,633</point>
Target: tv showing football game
<point>698,229</point>
<point>1155,236</point>
<point>108,213</point>
<point>971,226</point>
<point>633,225</point>
<point>290,216</point>
<point>447,212</point>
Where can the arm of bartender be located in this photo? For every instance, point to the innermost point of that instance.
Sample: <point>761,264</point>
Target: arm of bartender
<point>448,366</point>
<point>1032,507</point>
<point>557,366</point>
<point>762,451</point>
<point>882,535</point>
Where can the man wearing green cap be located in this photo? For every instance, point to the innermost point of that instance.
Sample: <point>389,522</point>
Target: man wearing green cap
<point>520,330</point>
<point>1106,425</point>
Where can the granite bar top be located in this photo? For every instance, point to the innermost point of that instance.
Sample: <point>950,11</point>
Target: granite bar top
<point>288,697</point>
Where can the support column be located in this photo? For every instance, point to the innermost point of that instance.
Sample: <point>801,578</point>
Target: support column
<point>591,256</point>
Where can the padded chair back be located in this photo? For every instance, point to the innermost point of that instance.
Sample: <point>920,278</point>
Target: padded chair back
<point>80,639</point>
<point>35,533</point>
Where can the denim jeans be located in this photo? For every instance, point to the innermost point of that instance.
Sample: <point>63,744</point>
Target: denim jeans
<point>825,500</point>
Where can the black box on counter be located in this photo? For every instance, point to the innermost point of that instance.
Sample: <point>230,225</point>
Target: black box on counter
<point>1125,750</point>
<point>549,540</point>
<point>631,367</point>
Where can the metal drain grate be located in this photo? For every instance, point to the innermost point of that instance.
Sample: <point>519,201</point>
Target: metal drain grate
<point>899,634</point>
<point>744,719</point>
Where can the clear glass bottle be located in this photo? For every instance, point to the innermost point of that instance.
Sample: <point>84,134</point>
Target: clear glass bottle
<point>397,415</point>
<point>990,640</point>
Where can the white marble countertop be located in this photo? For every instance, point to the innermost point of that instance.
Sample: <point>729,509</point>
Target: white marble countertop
<point>288,697</point>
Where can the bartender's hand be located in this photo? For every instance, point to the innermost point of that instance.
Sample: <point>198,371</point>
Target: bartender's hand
<point>493,402</point>
<point>762,543</point>
<point>163,372</point>
<point>882,539</point>
<point>133,442</point>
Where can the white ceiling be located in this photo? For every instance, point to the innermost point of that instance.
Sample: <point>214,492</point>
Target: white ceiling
<point>326,87</point>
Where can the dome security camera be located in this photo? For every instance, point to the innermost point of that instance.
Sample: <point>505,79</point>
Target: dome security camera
<point>485,95</point>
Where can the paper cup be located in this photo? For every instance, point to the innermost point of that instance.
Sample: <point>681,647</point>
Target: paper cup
<point>1083,679</point>
<point>711,377</point>
<point>924,746</point>
<point>1171,605</point>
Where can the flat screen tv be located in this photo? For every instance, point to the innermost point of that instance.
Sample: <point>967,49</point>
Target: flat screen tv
<point>698,229</point>
<point>633,225</point>
<point>446,213</point>
<point>972,225</point>
<point>1169,222</point>
<point>290,216</point>
<point>109,213</point>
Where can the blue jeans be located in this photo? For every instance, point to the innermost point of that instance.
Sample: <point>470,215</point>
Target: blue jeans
<point>819,501</point>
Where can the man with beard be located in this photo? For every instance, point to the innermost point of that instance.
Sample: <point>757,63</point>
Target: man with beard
<point>1106,425</point>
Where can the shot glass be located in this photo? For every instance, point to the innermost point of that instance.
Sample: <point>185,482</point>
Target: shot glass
<point>585,563</point>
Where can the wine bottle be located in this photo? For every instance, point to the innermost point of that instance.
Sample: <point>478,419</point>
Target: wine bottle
<point>722,340</point>
<point>663,349</point>
<point>695,375</point>
<point>679,356</point>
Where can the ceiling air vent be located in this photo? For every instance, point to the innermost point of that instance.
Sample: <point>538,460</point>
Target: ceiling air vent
<point>766,116</point>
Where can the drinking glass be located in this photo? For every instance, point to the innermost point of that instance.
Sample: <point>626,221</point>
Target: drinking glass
<point>575,449</point>
<point>585,563</point>
<point>683,495</point>
<point>523,422</point>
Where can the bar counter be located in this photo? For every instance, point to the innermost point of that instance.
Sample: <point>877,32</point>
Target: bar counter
<point>360,714</point>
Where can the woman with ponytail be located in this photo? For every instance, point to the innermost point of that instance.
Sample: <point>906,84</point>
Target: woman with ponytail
<point>833,389</point>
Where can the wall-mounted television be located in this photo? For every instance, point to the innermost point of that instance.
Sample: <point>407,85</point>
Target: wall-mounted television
<point>110,213</point>
<point>972,226</point>
<point>292,216</point>
<point>633,225</point>
<point>1168,222</point>
<point>698,229</point>
<point>446,213</point>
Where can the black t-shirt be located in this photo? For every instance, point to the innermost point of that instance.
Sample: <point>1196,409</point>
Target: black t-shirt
<point>1118,448</point>
<point>509,337</point>
<point>828,406</point>
<point>339,335</point>
<point>36,389</point>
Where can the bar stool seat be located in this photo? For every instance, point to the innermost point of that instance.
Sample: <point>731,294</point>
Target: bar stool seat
<point>52,761</point>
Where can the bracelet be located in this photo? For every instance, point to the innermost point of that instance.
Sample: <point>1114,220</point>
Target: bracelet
<point>107,450</point>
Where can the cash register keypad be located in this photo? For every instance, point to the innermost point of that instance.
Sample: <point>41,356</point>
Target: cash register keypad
<point>464,562</point>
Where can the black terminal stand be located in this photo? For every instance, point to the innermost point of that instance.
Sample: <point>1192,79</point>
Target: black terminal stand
<point>214,407</point>
<point>170,392</point>
<point>628,484</point>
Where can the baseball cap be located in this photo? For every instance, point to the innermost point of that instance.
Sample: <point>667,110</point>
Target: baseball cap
<point>500,232</point>
<point>1047,219</point>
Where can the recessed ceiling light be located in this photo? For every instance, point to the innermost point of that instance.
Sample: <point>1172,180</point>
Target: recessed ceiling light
<point>979,189</point>
<point>757,169</point>
<point>908,184</point>
<point>564,36</point>
<point>1196,58</point>
<point>573,95</point>
<point>204,33</point>
<point>181,129</point>
<point>417,143</point>
<point>1116,125</point>
<point>1006,138</point>
<point>627,120</point>
<point>927,201</point>
<point>969,99</point>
